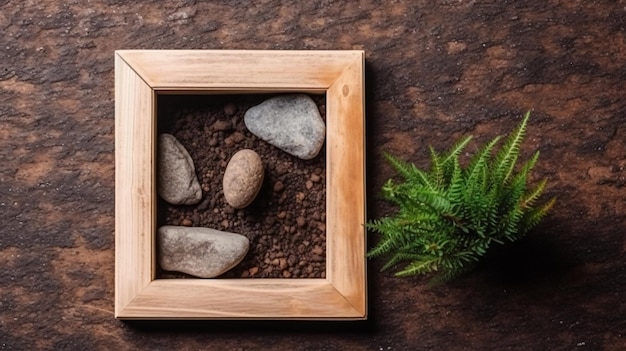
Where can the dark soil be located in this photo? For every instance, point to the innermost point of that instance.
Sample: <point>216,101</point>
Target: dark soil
<point>285,223</point>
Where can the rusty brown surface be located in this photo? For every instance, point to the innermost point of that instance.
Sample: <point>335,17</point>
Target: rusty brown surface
<point>435,70</point>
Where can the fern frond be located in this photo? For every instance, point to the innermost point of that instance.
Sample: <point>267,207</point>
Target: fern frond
<point>400,257</point>
<point>534,216</point>
<point>449,275</point>
<point>402,167</point>
<point>453,154</point>
<point>457,185</point>
<point>425,265</point>
<point>507,156</point>
<point>436,167</point>
<point>477,169</point>
<point>529,198</point>
<point>410,173</point>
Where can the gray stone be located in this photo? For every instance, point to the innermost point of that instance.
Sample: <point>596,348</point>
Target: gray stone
<point>201,252</point>
<point>177,180</point>
<point>243,178</point>
<point>292,123</point>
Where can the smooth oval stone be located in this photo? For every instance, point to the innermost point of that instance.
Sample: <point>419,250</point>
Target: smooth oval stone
<point>177,180</point>
<point>201,252</point>
<point>243,178</point>
<point>290,122</point>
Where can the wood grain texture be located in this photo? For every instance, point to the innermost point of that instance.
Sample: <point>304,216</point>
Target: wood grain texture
<point>139,76</point>
<point>135,190</point>
<point>240,299</point>
<point>345,168</point>
<point>238,70</point>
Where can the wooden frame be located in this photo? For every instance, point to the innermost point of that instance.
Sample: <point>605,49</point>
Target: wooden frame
<point>140,75</point>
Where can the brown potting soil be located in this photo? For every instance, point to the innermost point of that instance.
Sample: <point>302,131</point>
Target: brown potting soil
<point>286,222</point>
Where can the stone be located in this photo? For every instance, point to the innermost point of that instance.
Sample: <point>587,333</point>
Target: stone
<point>221,125</point>
<point>279,186</point>
<point>230,109</point>
<point>243,178</point>
<point>201,252</point>
<point>291,122</point>
<point>234,138</point>
<point>177,180</point>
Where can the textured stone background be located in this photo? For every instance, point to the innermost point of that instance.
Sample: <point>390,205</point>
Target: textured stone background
<point>435,71</point>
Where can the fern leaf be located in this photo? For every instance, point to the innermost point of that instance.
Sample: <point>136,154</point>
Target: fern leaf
<point>402,167</point>
<point>534,216</point>
<point>451,274</point>
<point>453,154</point>
<point>409,172</point>
<point>400,257</point>
<point>436,168</point>
<point>455,190</point>
<point>425,265</point>
<point>529,199</point>
<point>383,247</point>
<point>507,156</point>
<point>476,171</point>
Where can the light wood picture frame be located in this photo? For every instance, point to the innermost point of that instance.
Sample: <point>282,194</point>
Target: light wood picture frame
<point>140,76</point>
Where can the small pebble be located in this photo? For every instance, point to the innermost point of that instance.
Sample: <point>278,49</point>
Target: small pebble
<point>253,270</point>
<point>204,204</point>
<point>286,274</point>
<point>221,125</point>
<point>301,221</point>
<point>282,215</point>
<point>315,178</point>
<point>230,109</point>
<point>234,138</point>
<point>309,184</point>
<point>292,260</point>
<point>187,222</point>
<point>300,196</point>
<point>279,186</point>
<point>243,178</point>
<point>317,258</point>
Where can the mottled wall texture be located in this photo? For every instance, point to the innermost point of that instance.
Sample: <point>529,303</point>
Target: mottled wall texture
<point>436,70</point>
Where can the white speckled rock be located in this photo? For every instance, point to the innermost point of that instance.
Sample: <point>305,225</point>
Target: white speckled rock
<point>201,252</point>
<point>177,180</point>
<point>243,178</point>
<point>291,122</point>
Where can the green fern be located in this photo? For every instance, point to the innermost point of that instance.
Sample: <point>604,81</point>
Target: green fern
<point>448,217</point>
